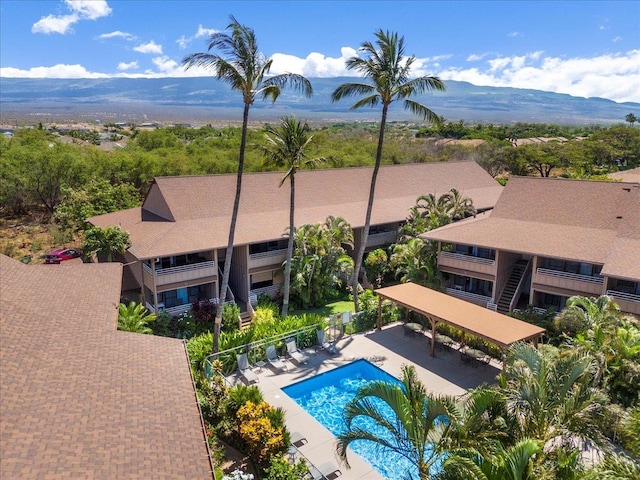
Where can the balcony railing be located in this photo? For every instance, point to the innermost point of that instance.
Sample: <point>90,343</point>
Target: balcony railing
<point>272,291</point>
<point>472,297</point>
<point>179,269</point>
<point>177,309</point>
<point>596,279</point>
<point>468,258</point>
<point>632,297</point>
<point>270,253</point>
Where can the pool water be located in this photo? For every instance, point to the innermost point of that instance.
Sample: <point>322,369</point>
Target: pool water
<point>324,398</point>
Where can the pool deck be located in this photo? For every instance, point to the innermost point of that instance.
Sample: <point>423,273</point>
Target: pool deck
<point>391,348</point>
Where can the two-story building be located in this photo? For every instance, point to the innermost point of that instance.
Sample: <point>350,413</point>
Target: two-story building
<point>546,240</point>
<point>179,235</point>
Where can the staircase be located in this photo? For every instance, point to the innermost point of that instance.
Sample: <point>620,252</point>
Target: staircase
<point>511,286</point>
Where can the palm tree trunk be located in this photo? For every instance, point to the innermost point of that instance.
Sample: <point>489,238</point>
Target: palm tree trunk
<point>232,230</point>
<point>287,268</point>
<point>367,221</point>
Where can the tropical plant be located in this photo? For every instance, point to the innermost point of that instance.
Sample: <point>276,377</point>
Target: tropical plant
<point>404,419</point>
<point>134,318</point>
<point>108,241</point>
<point>459,206</point>
<point>415,261</point>
<point>286,148</point>
<point>242,66</point>
<point>376,264</point>
<point>389,71</point>
<point>552,397</point>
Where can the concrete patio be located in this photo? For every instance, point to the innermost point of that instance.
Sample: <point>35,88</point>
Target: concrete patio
<point>445,373</point>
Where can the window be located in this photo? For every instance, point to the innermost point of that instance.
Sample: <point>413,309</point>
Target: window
<point>261,280</point>
<point>265,247</point>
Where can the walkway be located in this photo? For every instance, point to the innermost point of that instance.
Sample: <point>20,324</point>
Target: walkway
<point>442,374</point>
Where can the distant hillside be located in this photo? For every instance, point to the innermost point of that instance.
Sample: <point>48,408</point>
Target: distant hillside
<point>207,100</point>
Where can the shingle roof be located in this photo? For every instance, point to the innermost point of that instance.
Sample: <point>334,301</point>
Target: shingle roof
<point>81,399</point>
<point>597,222</point>
<point>202,205</point>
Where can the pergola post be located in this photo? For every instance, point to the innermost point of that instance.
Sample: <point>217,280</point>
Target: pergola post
<point>379,322</point>
<point>433,337</point>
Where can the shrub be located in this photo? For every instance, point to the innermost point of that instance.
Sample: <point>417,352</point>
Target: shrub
<point>262,438</point>
<point>230,314</point>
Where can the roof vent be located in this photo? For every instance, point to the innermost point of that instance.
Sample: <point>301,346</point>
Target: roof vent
<point>619,217</point>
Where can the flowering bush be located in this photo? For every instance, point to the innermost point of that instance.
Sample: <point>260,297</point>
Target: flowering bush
<point>238,475</point>
<point>262,438</point>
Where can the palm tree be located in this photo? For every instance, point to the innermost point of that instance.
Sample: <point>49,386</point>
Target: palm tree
<point>245,69</point>
<point>423,428</point>
<point>285,148</point>
<point>459,207</point>
<point>134,318</point>
<point>414,262</point>
<point>552,397</point>
<point>108,241</point>
<point>389,71</point>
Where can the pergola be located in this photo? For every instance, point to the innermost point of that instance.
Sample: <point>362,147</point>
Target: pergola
<point>493,327</point>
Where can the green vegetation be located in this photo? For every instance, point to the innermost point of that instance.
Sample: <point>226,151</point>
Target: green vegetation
<point>134,318</point>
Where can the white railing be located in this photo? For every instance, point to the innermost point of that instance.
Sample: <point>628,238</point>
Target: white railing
<point>271,291</point>
<point>597,279</point>
<point>492,306</point>
<point>632,297</point>
<point>178,309</point>
<point>473,297</point>
<point>182,268</point>
<point>468,258</point>
<point>270,253</point>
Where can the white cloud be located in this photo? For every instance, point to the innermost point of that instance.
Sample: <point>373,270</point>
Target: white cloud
<point>80,10</point>
<point>123,66</point>
<point>117,34</point>
<point>615,76</point>
<point>57,71</point>
<point>617,39</point>
<point>314,65</point>
<point>165,64</point>
<point>183,42</point>
<point>514,34</point>
<point>149,47</point>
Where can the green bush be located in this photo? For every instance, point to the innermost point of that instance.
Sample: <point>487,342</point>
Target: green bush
<point>230,314</point>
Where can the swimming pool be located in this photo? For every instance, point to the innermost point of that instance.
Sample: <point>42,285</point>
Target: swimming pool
<point>324,397</point>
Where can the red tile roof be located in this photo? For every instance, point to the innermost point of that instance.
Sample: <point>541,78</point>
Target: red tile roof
<point>81,399</point>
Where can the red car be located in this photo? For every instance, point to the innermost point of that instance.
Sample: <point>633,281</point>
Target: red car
<point>61,254</point>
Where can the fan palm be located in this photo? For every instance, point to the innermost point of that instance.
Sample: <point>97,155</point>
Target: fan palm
<point>245,69</point>
<point>108,241</point>
<point>389,72</point>
<point>458,206</point>
<point>286,148</point>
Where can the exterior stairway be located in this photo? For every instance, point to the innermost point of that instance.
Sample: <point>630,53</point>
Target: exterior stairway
<point>511,286</point>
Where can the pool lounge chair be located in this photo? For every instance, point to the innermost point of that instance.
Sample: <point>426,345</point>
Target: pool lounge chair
<point>245,369</point>
<point>295,353</point>
<point>326,471</point>
<point>274,360</point>
<point>324,344</point>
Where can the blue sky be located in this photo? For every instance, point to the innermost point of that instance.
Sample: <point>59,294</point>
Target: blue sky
<point>583,48</point>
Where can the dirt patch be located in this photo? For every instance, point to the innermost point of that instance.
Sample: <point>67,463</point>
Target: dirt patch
<point>235,460</point>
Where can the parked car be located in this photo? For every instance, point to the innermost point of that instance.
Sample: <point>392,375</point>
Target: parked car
<point>62,254</point>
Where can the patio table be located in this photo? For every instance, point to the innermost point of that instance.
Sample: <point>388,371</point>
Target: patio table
<point>412,328</point>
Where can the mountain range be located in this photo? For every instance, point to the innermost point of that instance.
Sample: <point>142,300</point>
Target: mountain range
<point>208,100</point>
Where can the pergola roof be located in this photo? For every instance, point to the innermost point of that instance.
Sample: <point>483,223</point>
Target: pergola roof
<point>468,317</point>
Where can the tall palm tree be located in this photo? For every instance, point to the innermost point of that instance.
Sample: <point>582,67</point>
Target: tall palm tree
<point>285,148</point>
<point>245,69</point>
<point>459,207</point>
<point>389,72</point>
<point>108,241</point>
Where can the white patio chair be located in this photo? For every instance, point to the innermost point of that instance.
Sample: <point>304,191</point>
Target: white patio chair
<point>244,368</point>
<point>295,353</point>
<point>274,360</point>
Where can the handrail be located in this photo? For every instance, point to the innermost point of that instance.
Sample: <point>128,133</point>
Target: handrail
<point>468,258</point>
<point>181,268</point>
<point>270,253</point>
<point>471,296</point>
<point>624,295</point>
<point>598,279</point>
<point>518,291</point>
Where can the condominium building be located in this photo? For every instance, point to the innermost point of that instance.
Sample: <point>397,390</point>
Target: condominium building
<point>179,235</point>
<point>546,240</point>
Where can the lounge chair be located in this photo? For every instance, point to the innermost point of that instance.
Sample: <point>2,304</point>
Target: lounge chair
<point>324,344</point>
<point>327,470</point>
<point>245,369</point>
<point>295,353</point>
<point>274,360</point>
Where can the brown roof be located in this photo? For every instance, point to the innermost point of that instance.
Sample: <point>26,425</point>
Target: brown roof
<point>201,205</point>
<point>81,399</point>
<point>632,175</point>
<point>487,324</point>
<point>596,222</point>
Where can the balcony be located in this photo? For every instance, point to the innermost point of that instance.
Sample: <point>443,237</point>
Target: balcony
<point>459,262</point>
<point>381,239</point>
<point>177,309</point>
<point>584,284</point>
<point>265,259</point>
<point>628,302</point>
<point>272,291</point>
<point>478,299</point>
<point>182,273</point>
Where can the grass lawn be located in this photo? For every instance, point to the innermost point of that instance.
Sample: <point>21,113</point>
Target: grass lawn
<point>328,309</point>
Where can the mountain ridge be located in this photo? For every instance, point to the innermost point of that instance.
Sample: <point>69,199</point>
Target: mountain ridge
<point>202,99</point>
